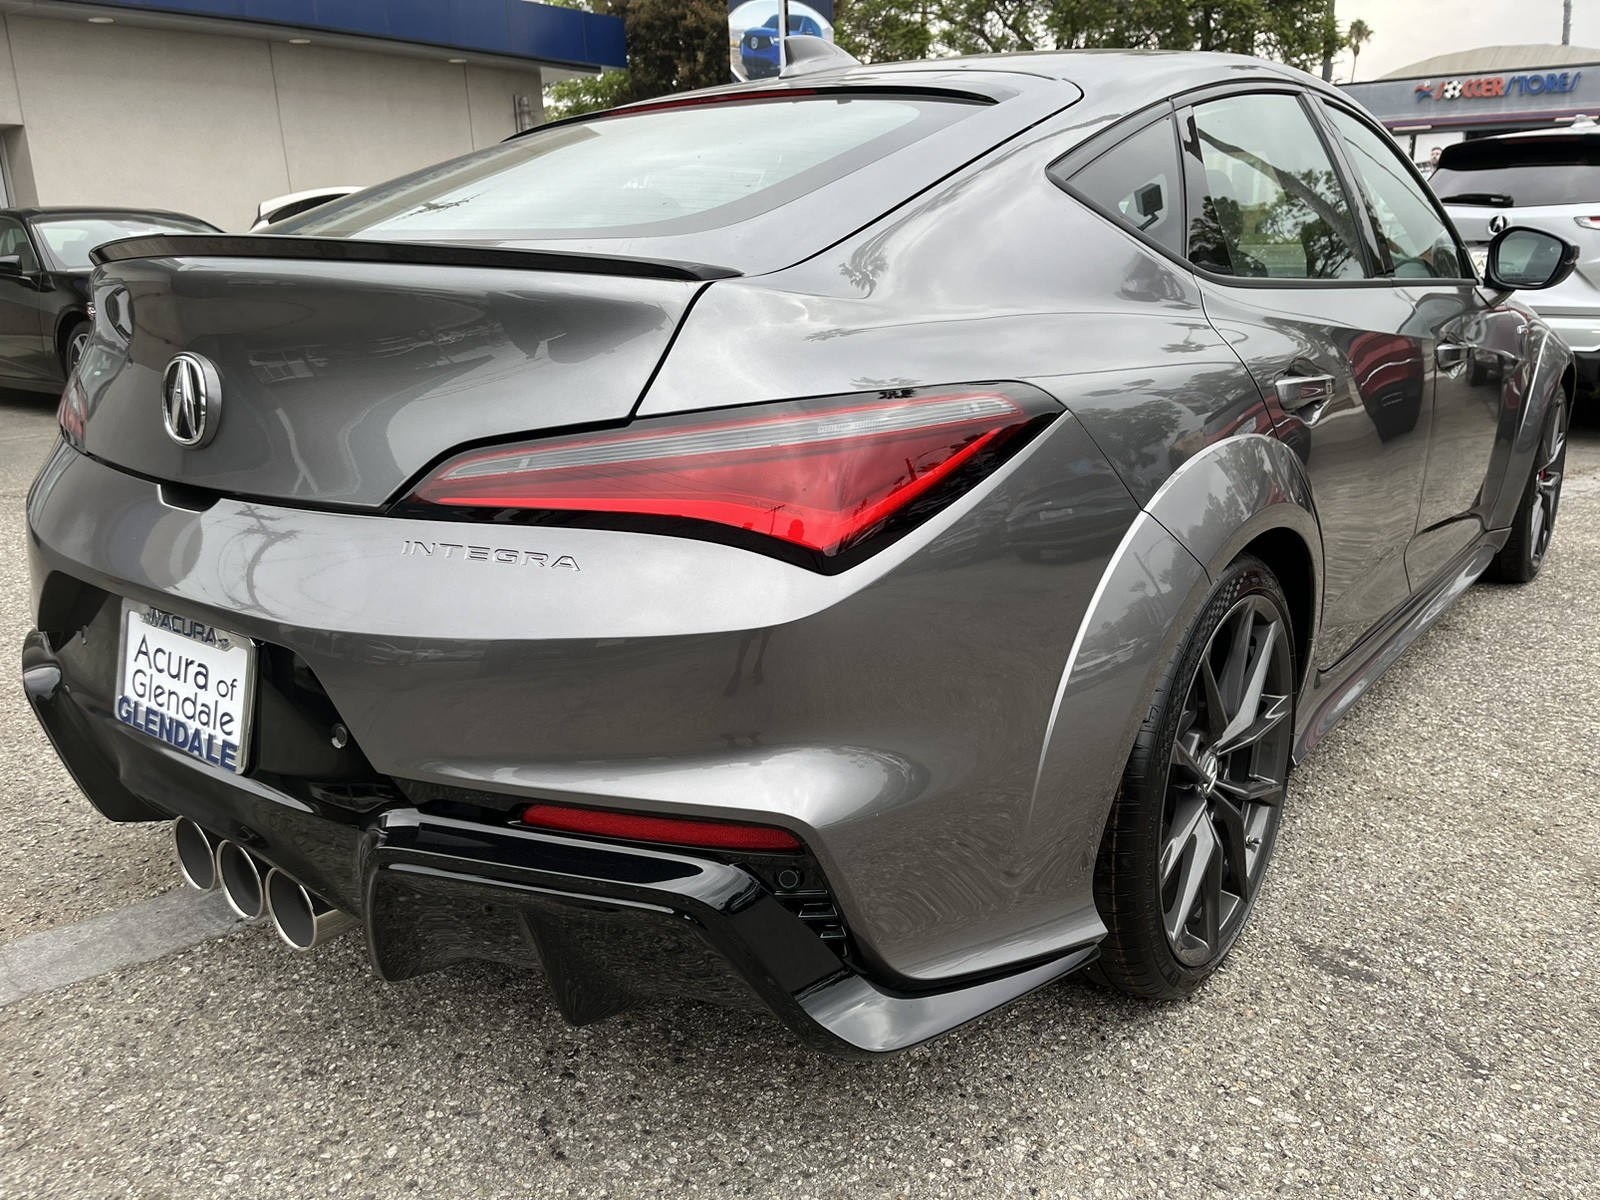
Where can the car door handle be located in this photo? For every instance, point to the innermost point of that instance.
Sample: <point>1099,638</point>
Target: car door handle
<point>1304,391</point>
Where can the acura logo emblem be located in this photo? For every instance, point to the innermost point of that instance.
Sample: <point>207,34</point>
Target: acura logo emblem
<point>1496,223</point>
<point>190,395</point>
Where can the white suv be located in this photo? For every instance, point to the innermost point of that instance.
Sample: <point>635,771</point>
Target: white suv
<point>1549,179</point>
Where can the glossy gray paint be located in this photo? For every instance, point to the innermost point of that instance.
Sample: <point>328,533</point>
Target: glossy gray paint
<point>945,723</point>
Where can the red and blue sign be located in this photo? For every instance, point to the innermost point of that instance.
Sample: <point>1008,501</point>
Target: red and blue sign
<point>1493,87</point>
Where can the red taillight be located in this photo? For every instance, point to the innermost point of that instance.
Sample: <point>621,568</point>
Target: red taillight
<point>1588,222</point>
<point>673,831</point>
<point>818,474</point>
<point>72,412</point>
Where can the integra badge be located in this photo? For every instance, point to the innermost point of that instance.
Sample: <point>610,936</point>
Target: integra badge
<point>495,554</point>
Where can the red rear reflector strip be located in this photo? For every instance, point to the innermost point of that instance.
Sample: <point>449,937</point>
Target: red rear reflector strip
<point>674,831</point>
<point>818,474</point>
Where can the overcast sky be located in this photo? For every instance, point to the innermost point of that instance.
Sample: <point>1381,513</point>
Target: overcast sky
<point>1407,30</point>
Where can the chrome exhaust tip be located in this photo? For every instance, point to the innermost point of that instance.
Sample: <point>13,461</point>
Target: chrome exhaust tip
<point>240,874</point>
<point>303,919</point>
<point>197,854</point>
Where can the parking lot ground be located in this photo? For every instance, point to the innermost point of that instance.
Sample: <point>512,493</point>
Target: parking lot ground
<point>1412,1011</point>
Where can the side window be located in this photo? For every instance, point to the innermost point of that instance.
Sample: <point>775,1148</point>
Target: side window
<point>14,240</point>
<point>1136,182</point>
<point>1410,229</point>
<point>1264,198</point>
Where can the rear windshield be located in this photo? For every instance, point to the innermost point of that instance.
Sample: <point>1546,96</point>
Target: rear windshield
<point>70,239</point>
<point>1502,172</point>
<point>670,171</point>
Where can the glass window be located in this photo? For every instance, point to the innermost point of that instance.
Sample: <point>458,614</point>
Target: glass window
<point>1137,181</point>
<point>70,239</point>
<point>14,241</point>
<point>1265,200</point>
<point>1559,168</point>
<point>667,171</point>
<point>1418,243</point>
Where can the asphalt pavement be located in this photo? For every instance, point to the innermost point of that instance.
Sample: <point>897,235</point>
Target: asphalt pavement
<point>1412,1011</point>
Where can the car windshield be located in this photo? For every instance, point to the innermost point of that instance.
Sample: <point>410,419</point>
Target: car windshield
<point>665,171</point>
<point>1502,172</point>
<point>70,239</point>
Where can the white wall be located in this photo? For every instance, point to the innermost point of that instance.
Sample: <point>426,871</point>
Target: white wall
<point>213,124</point>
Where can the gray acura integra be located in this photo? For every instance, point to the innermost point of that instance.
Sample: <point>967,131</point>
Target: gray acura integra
<point>868,543</point>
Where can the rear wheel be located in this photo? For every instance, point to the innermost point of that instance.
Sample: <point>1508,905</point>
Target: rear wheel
<point>73,346</point>
<point>1193,827</point>
<point>1534,525</point>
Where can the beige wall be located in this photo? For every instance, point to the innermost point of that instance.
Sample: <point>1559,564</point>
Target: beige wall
<point>212,125</point>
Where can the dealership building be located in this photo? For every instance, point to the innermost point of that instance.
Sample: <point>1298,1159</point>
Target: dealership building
<point>211,106</point>
<point>1497,89</point>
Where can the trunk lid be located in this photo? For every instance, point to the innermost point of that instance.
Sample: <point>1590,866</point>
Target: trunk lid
<point>342,371</point>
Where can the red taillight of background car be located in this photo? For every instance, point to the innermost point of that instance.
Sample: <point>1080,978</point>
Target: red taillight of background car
<point>818,474</point>
<point>671,831</point>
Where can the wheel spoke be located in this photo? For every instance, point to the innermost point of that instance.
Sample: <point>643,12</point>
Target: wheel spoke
<point>1212,901</point>
<point>1254,684</point>
<point>1196,867</point>
<point>1216,711</point>
<point>1235,853</point>
<point>1186,821</point>
<point>1273,709</point>
<point>1238,661</point>
<point>1186,754</point>
<point>1256,790</point>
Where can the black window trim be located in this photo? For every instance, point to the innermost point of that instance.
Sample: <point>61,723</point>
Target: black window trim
<point>1322,119</point>
<point>1061,170</point>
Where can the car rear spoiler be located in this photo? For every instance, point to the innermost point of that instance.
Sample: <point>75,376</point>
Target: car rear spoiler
<point>282,246</point>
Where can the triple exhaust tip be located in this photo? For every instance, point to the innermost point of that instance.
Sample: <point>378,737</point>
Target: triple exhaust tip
<point>251,887</point>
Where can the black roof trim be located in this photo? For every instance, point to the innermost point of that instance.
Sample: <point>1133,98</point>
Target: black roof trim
<point>291,247</point>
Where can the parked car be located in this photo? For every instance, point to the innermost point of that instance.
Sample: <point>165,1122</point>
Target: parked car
<point>758,49</point>
<point>869,543</point>
<point>281,208</point>
<point>1546,179</point>
<point>44,283</point>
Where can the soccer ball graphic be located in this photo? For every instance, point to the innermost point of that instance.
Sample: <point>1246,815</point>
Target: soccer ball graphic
<point>1451,90</point>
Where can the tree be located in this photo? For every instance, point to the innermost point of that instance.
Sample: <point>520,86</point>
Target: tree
<point>673,46</point>
<point>1298,32</point>
<point>1360,34</point>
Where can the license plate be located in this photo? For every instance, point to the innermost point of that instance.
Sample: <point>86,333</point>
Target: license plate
<point>1480,259</point>
<point>187,684</point>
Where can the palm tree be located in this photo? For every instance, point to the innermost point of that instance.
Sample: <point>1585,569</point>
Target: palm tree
<point>1360,34</point>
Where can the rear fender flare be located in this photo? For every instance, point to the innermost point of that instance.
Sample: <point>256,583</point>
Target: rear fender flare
<point>1551,362</point>
<point>1208,511</point>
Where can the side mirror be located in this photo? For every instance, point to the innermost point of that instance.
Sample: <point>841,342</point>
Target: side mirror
<point>1528,259</point>
<point>11,266</point>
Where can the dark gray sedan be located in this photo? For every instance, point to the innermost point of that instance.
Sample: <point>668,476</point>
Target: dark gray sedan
<point>868,543</point>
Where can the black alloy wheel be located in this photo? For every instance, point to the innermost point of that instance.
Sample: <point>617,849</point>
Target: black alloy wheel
<point>1193,828</point>
<point>1534,525</point>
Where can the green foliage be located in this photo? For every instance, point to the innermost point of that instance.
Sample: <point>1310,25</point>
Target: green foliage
<point>1298,32</point>
<point>673,46</point>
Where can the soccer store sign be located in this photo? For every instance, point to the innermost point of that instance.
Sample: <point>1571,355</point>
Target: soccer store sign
<point>1498,87</point>
<point>753,51</point>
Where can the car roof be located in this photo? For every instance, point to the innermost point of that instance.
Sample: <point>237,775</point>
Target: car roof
<point>1105,77</point>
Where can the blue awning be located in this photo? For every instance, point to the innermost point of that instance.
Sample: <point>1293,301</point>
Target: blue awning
<point>509,28</point>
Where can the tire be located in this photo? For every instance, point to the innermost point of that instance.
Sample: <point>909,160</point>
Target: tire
<point>72,346</point>
<point>1195,820</point>
<point>1534,525</point>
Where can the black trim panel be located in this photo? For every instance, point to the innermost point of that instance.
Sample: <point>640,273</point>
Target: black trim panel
<point>290,247</point>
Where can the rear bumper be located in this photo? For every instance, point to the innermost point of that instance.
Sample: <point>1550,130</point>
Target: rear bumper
<point>609,924</point>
